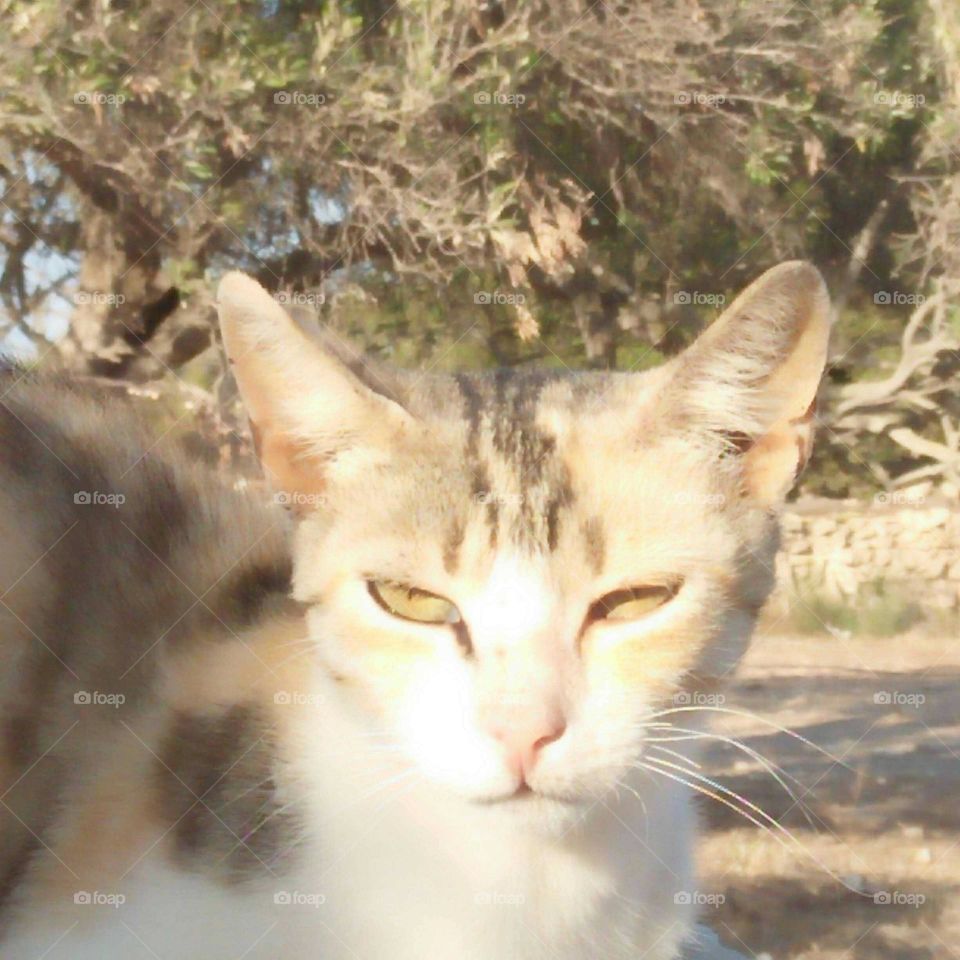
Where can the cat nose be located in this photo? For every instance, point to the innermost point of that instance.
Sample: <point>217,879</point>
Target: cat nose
<point>524,738</point>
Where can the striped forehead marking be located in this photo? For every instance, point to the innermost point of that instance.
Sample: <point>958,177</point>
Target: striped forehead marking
<point>502,410</point>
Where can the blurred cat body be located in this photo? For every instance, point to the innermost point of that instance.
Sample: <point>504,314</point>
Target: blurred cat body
<point>421,719</point>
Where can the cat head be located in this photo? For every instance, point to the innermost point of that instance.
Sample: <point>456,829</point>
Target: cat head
<point>511,572</point>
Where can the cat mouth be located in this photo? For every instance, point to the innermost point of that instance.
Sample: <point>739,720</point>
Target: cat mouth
<point>525,795</point>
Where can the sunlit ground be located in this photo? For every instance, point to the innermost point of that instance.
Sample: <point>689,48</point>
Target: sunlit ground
<point>887,818</point>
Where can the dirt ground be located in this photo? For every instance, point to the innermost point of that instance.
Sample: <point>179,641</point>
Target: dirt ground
<point>887,819</point>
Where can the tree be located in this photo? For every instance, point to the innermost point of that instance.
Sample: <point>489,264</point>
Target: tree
<point>574,183</point>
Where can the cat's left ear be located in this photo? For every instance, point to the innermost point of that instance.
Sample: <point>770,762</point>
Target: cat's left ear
<point>753,376</point>
<point>309,403</point>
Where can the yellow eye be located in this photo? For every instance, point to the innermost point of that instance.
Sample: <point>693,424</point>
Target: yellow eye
<point>633,602</point>
<point>412,603</point>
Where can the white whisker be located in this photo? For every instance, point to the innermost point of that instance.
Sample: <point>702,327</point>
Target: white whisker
<point>775,771</point>
<point>773,827</point>
<point>758,719</point>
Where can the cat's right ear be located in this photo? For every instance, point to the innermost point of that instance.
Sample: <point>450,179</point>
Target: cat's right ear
<point>306,406</point>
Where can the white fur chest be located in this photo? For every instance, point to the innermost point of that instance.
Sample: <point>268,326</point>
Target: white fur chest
<point>395,869</point>
<point>438,884</point>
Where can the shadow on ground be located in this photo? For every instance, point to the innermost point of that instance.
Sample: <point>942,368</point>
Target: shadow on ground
<point>900,764</point>
<point>832,919</point>
<point>893,789</point>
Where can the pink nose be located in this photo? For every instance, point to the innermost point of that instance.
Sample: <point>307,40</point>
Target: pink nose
<point>524,738</point>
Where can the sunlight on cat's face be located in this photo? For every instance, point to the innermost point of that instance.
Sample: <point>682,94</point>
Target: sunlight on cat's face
<point>505,664</point>
<point>512,576</point>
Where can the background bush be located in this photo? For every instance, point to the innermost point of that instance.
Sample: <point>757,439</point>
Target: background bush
<point>468,185</point>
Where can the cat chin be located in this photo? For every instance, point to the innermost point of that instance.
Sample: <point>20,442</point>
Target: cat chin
<point>547,816</point>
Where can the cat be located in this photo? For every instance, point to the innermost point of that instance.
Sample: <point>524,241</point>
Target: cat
<point>407,706</point>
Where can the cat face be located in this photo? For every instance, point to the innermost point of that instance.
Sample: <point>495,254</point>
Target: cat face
<point>509,574</point>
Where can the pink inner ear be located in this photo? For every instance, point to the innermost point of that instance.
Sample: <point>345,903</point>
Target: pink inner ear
<point>287,470</point>
<point>773,464</point>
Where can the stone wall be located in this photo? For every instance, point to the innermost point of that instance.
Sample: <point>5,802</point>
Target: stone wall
<point>843,548</point>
